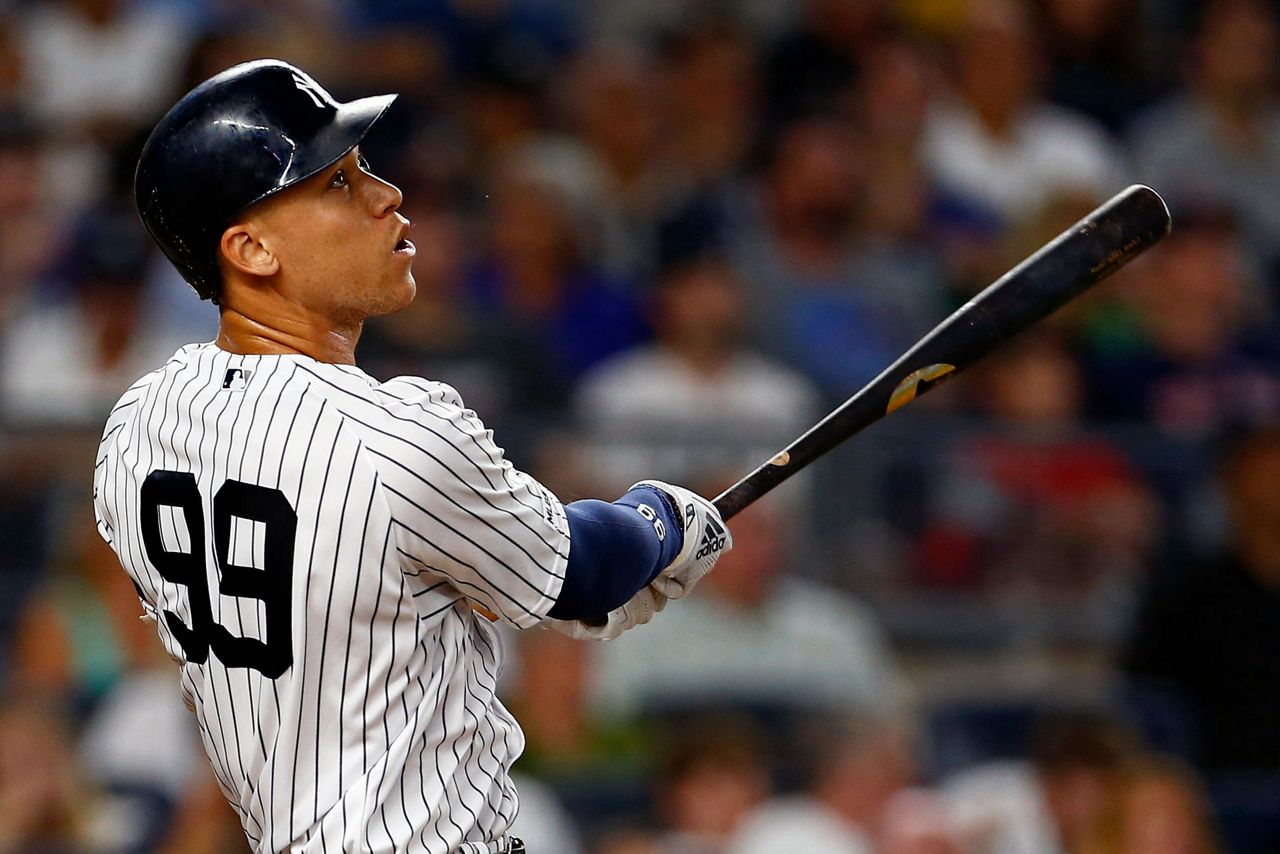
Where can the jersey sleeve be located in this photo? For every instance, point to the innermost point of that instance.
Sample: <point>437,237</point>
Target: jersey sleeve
<point>104,469</point>
<point>109,446</point>
<point>461,513</point>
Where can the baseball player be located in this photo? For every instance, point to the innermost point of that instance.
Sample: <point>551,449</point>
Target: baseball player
<point>317,548</point>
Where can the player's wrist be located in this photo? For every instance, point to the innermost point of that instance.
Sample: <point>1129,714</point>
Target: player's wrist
<point>662,512</point>
<point>705,538</point>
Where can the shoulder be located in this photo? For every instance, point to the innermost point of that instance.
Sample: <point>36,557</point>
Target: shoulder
<point>409,417</point>
<point>139,399</point>
<point>186,357</point>
<point>418,391</point>
<point>359,396</point>
<point>434,406</point>
<point>131,402</point>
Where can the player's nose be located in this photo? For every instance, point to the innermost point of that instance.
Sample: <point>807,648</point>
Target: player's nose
<point>385,197</point>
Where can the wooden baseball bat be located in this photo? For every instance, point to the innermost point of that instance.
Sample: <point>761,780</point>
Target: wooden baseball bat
<point>1122,228</point>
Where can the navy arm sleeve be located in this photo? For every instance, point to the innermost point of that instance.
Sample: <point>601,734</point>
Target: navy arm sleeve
<point>614,550</point>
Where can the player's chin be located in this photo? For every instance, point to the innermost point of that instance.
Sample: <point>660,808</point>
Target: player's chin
<point>387,297</point>
<point>398,294</point>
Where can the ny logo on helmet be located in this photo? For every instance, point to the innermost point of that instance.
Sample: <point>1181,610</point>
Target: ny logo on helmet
<point>311,87</point>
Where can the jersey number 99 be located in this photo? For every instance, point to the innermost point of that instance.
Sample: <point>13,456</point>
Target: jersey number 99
<point>272,584</point>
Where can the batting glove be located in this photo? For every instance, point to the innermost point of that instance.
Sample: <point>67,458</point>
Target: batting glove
<point>706,537</point>
<point>639,610</point>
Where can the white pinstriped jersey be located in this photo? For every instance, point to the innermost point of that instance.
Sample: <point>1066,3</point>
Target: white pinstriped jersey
<point>309,542</point>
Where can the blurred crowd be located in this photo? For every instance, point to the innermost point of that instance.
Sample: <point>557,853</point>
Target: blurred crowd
<point>1037,611</point>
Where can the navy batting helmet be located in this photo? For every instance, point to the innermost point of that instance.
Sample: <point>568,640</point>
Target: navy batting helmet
<point>235,139</point>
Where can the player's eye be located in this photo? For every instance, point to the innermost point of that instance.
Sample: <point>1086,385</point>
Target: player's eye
<point>364,164</point>
<point>339,179</point>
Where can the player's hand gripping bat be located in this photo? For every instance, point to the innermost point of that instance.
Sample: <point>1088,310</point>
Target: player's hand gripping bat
<point>1124,227</point>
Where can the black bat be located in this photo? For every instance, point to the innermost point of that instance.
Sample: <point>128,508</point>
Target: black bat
<point>1124,227</point>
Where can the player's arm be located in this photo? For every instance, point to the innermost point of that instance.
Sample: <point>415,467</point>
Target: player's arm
<point>615,549</point>
<point>629,558</point>
<point>462,513</point>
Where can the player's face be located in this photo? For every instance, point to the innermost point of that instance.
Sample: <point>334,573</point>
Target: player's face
<point>341,242</point>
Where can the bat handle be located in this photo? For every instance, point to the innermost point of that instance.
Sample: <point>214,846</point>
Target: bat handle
<point>737,497</point>
<point>733,499</point>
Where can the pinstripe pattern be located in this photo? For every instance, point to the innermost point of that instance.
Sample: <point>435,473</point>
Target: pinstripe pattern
<point>384,734</point>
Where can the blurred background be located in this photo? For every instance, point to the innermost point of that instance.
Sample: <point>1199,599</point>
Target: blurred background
<point>1037,611</point>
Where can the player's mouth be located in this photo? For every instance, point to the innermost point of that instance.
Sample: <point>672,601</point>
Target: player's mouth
<point>404,246</point>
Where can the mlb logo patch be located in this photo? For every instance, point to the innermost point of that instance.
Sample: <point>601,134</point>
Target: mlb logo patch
<point>236,379</point>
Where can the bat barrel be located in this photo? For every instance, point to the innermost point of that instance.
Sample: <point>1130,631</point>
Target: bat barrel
<point>1115,233</point>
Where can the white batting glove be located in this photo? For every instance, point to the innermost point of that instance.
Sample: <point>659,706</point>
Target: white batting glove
<point>706,537</point>
<point>639,610</point>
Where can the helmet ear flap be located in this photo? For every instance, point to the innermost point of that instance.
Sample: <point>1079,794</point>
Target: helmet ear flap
<point>205,290</point>
<point>204,277</point>
<point>237,138</point>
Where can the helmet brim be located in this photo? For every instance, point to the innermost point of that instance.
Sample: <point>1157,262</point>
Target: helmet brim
<point>348,128</point>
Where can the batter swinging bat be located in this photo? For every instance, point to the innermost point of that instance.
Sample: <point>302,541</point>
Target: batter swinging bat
<point>1124,227</point>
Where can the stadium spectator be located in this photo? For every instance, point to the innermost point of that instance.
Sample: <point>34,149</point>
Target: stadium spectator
<point>12,86</point>
<point>899,260</point>
<point>66,355</point>
<point>616,105</point>
<point>1050,802</point>
<point>204,822</point>
<point>994,140</point>
<point>551,313</point>
<point>1045,522</point>
<point>1193,354</point>
<point>649,21</point>
<point>1160,808</point>
<point>696,402</point>
<point>1099,58</point>
<point>814,66</point>
<point>79,633</point>
<point>94,70</point>
<point>567,744</point>
<point>440,334</point>
<point>1208,637</point>
<point>759,635</point>
<point>27,221</point>
<point>527,33</point>
<point>714,775</point>
<point>858,767</point>
<point>817,302</point>
<point>97,67</point>
<point>915,821</point>
<point>709,74</point>
<point>542,823</point>
<point>44,803</point>
<point>80,639</point>
<point>1217,140</point>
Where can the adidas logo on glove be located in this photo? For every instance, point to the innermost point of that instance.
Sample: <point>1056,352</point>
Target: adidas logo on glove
<point>713,540</point>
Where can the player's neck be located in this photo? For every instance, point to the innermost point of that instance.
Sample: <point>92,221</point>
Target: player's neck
<point>322,341</point>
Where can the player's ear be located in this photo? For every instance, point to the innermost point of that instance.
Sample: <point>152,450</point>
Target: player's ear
<point>244,248</point>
